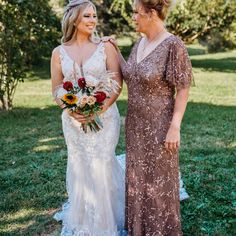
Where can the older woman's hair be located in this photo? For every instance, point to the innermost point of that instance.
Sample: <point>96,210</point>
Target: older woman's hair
<point>72,15</point>
<point>160,6</point>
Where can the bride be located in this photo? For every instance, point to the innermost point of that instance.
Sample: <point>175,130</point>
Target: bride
<point>95,179</point>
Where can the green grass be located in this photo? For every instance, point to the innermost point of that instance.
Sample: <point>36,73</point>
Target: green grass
<point>33,152</point>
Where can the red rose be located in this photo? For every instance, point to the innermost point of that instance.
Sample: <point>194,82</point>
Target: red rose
<point>82,83</point>
<point>68,85</point>
<point>100,96</point>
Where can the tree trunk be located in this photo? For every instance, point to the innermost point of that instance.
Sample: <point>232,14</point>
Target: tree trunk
<point>5,104</point>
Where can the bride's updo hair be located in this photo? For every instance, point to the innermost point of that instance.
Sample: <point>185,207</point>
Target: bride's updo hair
<point>72,15</point>
<point>160,6</point>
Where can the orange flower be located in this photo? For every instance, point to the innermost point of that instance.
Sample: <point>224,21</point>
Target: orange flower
<point>70,99</point>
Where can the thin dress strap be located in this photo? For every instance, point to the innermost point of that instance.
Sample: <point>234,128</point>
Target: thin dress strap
<point>62,52</point>
<point>101,49</point>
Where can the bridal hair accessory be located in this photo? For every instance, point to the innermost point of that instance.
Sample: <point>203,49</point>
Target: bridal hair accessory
<point>75,3</point>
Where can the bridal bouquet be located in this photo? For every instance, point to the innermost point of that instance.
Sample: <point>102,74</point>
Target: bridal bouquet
<point>86,96</point>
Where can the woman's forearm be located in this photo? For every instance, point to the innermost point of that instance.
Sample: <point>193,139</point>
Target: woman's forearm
<point>121,59</point>
<point>59,103</point>
<point>180,107</point>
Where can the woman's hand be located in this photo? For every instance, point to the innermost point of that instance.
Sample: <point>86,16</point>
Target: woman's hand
<point>172,142</point>
<point>112,41</point>
<point>104,109</point>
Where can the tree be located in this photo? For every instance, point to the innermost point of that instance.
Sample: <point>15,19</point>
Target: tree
<point>28,32</point>
<point>111,21</point>
<point>196,19</point>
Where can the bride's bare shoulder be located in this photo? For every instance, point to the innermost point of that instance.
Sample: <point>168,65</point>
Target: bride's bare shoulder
<point>56,51</point>
<point>55,57</point>
<point>109,48</point>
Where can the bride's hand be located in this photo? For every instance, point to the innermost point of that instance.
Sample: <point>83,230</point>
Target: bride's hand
<point>79,117</point>
<point>111,40</point>
<point>104,109</point>
<point>172,142</point>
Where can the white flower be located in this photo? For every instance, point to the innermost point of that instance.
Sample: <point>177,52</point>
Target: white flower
<point>91,100</point>
<point>91,81</point>
<point>83,101</point>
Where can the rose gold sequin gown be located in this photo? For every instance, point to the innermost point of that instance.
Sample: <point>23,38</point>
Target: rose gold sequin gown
<point>152,184</point>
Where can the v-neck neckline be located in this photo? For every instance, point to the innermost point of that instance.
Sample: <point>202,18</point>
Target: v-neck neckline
<point>149,54</point>
<point>86,61</point>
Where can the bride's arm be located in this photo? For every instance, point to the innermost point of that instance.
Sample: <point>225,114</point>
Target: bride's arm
<point>57,80</point>
<point>113,66</point>
<point>122,60</point>
<point>56,75</point>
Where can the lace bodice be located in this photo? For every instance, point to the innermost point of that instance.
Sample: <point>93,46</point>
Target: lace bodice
<point>95,65</point>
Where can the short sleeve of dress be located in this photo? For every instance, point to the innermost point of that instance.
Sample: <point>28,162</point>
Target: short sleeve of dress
<point>179,68</point>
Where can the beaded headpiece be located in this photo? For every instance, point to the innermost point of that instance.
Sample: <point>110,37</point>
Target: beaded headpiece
<point>75,3</point>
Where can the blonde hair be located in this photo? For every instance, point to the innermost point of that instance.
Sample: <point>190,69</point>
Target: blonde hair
<point>72,15</point>
<point>160,6</point>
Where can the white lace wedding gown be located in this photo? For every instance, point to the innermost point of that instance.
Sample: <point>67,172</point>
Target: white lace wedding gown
<point>95,177</point>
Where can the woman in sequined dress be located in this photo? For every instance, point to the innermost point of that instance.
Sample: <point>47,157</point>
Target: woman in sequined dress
<point>158,74</point>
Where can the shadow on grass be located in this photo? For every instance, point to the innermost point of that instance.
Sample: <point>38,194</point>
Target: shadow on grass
<point>33,166</point>
<point>196,51</point>
<point>122,106</point>
<point>227,64</point>
<point>40,71</point>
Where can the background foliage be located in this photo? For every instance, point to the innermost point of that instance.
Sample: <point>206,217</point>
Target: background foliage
<point>28,31</point>
<point>210,22</point>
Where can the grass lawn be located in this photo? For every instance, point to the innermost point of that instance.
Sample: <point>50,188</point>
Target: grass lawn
<point>33,153</point>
